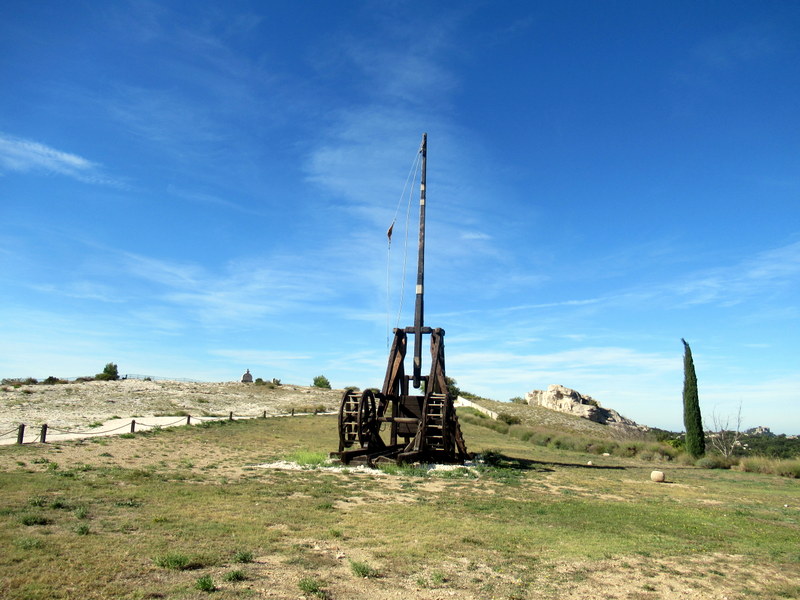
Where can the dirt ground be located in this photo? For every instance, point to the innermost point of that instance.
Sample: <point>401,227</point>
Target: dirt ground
<point>78,405</point>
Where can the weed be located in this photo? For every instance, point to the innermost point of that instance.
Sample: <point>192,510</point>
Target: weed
<point>29,543</point>
<point>205,584</point>
<point>325,505</point>
<point>237,575</point>
<point>128,436</point>
<point>363,570</point>
<point>438,578</point>
<point>312,587</point>
<point>37,500</point>
<point>173,560</point>
<point>60,504</point>
<point>129,503</point>
<point>335,533</point>
<point>243,556</point>
<point>82,529</point>
<point>30,520</point>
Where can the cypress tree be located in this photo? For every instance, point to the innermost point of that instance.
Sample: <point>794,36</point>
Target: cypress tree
<point>695,439</point>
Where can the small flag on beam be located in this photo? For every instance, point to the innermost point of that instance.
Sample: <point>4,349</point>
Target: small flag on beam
<point>389,232</point>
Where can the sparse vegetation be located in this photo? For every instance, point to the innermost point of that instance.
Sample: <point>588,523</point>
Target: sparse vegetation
<point>526,521</point>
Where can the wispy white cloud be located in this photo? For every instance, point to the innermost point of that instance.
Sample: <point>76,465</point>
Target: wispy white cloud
<point>85,290</point>
<point>761,275</point>
<point>25,156</point>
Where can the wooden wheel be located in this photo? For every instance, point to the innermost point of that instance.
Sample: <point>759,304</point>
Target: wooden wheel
<point>349,411</point>
<point>367,418</point>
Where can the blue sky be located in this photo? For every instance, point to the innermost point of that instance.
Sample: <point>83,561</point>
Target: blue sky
<point>190,189</point>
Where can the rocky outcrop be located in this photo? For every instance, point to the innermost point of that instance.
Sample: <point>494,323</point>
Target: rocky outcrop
<point>566,400</point>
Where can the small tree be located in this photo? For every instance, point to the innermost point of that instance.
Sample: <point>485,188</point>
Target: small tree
<point>110,373</point>
<point>725,439</point>
<point>321,381</point>
<point>692,420</point>
<point>452,388</point>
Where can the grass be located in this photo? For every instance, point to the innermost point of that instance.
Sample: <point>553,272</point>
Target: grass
<point>511,530</point>
<point>173,560</point>
<point>205,584</point>
<point>312,587</point>
<point>362,569</point>
<point>307,458</point>
<point>236,575</point>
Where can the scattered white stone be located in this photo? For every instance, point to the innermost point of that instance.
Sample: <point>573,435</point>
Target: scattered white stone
<point>590,463</point>
<point>657,476</point>
<point>606,454</point>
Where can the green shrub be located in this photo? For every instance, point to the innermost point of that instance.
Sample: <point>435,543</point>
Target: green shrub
<point>509,419</point>
<point>110,373</point>
<point>321,381</point>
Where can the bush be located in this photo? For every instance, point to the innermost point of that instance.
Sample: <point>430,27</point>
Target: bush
<point>771,466</point>
<point>53,380</point>
<point>321,381</point>
<point>110,373</point>
<point>517,400</point>
<point>509,419</point>
<point>715,461</point>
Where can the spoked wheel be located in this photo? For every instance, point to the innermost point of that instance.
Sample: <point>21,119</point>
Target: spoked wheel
<point>367,418</point>
<point>349,418</point>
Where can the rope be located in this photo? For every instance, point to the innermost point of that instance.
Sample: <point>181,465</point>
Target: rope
<point>92,432</point>
<point>412,173</point>
<point>9,431</point>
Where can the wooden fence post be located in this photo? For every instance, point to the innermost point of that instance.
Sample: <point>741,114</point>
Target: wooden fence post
<point>230,416</point>
<point>188,419</point>
<point>20,433</point>
<point>44,433</point>
<point>133,426</point>
<point>265,414</point>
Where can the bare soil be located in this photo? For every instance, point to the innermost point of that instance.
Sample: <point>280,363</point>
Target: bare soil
<point>78,405</point>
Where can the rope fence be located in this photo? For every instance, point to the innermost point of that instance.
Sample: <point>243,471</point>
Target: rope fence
<point>42,433</point>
